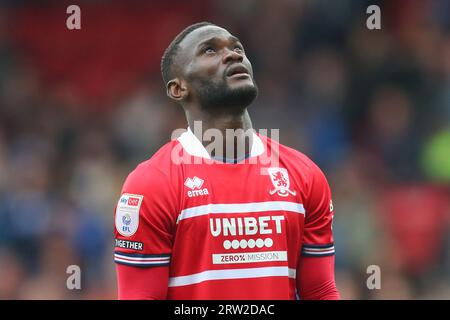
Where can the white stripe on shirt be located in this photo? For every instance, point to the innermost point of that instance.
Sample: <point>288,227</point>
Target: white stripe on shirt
<point>241,208</point>
<point>247,273</point>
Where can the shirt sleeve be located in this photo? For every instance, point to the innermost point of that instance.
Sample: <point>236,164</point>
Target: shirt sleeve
<point>145,219</point>
<point>142,283</point>
<point>315,272</point>
<point>318,236</point>
<point>315,279</point>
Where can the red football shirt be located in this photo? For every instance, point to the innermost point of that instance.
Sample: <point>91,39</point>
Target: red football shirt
<point>225,230</point>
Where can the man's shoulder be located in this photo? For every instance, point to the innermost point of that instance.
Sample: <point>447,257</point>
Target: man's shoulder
<point>302,168</point>
<point>290,155</point>
<point>161,159</point>
<point>154,170</point>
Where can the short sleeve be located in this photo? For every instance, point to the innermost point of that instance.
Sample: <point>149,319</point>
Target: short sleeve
<point>144,219</point>
<point>318,236</point>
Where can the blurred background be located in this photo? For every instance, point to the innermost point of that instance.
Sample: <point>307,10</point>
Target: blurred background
<point>80,109</point>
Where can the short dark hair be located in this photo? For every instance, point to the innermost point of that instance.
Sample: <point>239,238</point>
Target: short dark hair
<point>171,51</point>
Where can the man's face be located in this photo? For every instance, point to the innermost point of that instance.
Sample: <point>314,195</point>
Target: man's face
<point>217,71</point>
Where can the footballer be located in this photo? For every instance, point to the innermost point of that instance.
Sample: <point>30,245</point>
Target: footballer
<point>195,222</point>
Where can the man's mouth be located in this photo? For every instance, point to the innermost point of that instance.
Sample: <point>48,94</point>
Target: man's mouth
<point>237,71</point>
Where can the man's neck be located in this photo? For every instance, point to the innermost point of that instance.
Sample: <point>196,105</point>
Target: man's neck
<point>225,136</point>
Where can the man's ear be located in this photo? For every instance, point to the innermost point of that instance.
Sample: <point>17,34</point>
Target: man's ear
<point>177,89</point>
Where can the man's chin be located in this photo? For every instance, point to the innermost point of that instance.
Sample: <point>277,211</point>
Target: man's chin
<point>241,86</point>
<point>243,94</point>
<point>234,94</point>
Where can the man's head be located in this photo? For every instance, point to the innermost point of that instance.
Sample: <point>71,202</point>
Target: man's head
<point>205,65</point>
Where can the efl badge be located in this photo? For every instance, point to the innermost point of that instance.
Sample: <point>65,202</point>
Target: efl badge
<point>280,180</point>
<point>127,214</point>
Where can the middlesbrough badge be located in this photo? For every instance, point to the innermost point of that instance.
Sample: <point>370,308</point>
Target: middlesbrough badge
<point>280,181</point>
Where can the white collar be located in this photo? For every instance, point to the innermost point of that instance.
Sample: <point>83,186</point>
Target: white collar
<point>194,147</point>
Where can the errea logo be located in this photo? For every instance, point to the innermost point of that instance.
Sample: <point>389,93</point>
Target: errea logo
<point>195,184</point>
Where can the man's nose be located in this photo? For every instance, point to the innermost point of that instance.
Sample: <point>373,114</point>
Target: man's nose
<point>231,55</point>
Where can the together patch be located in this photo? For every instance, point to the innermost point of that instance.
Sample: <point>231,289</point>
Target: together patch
<point>125,244</point>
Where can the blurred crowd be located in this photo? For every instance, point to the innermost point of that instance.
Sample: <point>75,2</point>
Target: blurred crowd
<point>80,109</point>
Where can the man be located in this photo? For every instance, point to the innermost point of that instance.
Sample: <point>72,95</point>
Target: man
<point>196,222</point>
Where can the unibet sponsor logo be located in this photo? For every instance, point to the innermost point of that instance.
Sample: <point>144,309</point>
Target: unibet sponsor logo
<point>245,226</point>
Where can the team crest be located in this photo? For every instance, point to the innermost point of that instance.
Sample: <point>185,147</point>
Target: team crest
<point>127,214</point>
<point>280,181</point>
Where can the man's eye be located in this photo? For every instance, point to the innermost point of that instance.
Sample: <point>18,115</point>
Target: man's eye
<point>209,50</point>
<point>238,49</point>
